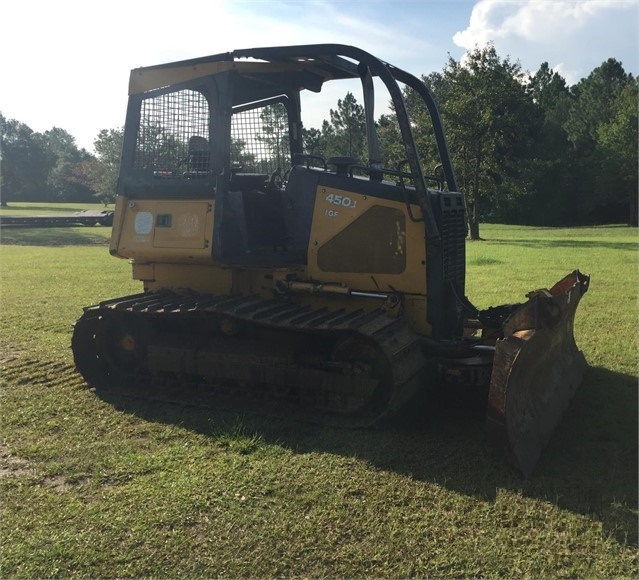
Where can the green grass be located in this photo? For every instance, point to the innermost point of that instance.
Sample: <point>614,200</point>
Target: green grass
<point>513,260</point>
<point>112,488</point>
<point>18,235</point>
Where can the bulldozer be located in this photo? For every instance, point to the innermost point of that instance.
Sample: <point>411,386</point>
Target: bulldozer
<point>329,290</point>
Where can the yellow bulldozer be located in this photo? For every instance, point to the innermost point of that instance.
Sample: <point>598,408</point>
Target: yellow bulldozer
<point>327,290</point>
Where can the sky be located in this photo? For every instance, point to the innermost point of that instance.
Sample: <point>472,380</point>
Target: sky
<point>66,63</point>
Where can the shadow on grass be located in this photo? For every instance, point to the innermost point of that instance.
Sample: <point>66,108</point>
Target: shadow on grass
<point>55,236</point>
<point>551,243</point>
<point>589,467</point>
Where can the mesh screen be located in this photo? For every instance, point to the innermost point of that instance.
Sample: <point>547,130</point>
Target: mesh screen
<point>260,141</point>
<point>172,139</point>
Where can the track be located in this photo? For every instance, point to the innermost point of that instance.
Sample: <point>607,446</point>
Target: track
<point>250,354</point>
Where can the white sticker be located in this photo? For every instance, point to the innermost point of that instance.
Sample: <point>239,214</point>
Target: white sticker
<point>143,223</point>
<point>189,225</point>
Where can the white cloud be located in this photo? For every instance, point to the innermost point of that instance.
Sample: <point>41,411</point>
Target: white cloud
<point>537,21</point>
<point>583,33</point>
<point>571,75</point>
<point>66,63</point>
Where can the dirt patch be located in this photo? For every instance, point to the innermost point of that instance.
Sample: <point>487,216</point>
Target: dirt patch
<point>57,483</point>
<point>13,466</point>
<point>9,352</point>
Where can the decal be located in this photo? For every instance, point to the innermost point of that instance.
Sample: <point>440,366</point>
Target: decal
<point>189,225</point>
<point>143,223</point>
<point>341,200</point>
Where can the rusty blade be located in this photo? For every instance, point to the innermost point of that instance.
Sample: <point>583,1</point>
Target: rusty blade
<point>537,369</point>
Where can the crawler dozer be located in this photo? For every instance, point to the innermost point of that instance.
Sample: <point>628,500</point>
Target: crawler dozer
<point>330,290</point>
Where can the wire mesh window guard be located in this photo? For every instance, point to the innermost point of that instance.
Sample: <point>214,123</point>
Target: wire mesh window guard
<point>172,139</point>
<point>260,141</point>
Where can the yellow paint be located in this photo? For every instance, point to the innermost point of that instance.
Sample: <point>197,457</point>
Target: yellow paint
<point>330,218</point>
<point>139,236</point>
<point>178,254</point>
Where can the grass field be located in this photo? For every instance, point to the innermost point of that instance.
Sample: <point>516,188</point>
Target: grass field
<point>48,208</point>
<point>92,488</point>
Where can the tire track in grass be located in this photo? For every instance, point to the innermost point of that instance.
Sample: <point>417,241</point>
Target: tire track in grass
<point>29,372</point>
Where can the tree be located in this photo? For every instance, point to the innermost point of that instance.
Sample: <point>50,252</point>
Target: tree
<point>594,96</point>
<point>328,141</point>
<point>22,162</point>
<point>345,134</point>
<point>490,123</point>
<point>551,183</point>
<point>550,93</point>
<point>422,123</point>
<point>40,166</point>
<point>617,138</point>
<point>240,157</point>
<point>313,142</point>
<point>390,141</point>
<point>274,135</point>
<point>61,156</point>
<point>102,171</point>
<point>602,129</point>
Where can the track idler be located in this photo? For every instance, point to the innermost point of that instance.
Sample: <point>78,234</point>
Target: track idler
<point>537,369</point>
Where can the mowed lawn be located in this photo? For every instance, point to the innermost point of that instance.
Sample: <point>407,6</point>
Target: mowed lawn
<point>92,488</point>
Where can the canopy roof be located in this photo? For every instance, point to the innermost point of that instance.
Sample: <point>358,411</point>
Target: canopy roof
<point>301,67</point>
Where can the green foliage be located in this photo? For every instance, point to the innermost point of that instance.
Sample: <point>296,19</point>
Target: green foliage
<point>274,135</point>
<point>533,150</point>
<point>95,488</point>
<point>527,150</point>
<point>62,157</point>
<point>595,97</point>
<point>617,142</point>
<point>102,170</point>
<point>490,124</point>
<point>343,136</point>
<point>551,159</point>
<point>602,128</point>
<point>422,127</point>
<point>22,163</point>
<point>312,141</point>
<point>348,124</point>
<point>390,141</point>
<point>240,156</point>
<point>41,166</point>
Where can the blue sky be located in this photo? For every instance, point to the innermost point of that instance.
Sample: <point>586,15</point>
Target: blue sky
<point>66,63</point>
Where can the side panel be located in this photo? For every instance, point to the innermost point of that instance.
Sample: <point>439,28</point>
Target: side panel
<point>368,243</point>
<point>150,230</point>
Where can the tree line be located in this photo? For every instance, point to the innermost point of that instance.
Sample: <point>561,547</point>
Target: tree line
<point>50,167</point>
<point>527,148</point>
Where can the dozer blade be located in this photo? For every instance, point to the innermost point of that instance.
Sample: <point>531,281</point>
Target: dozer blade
<point>537,369</point>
